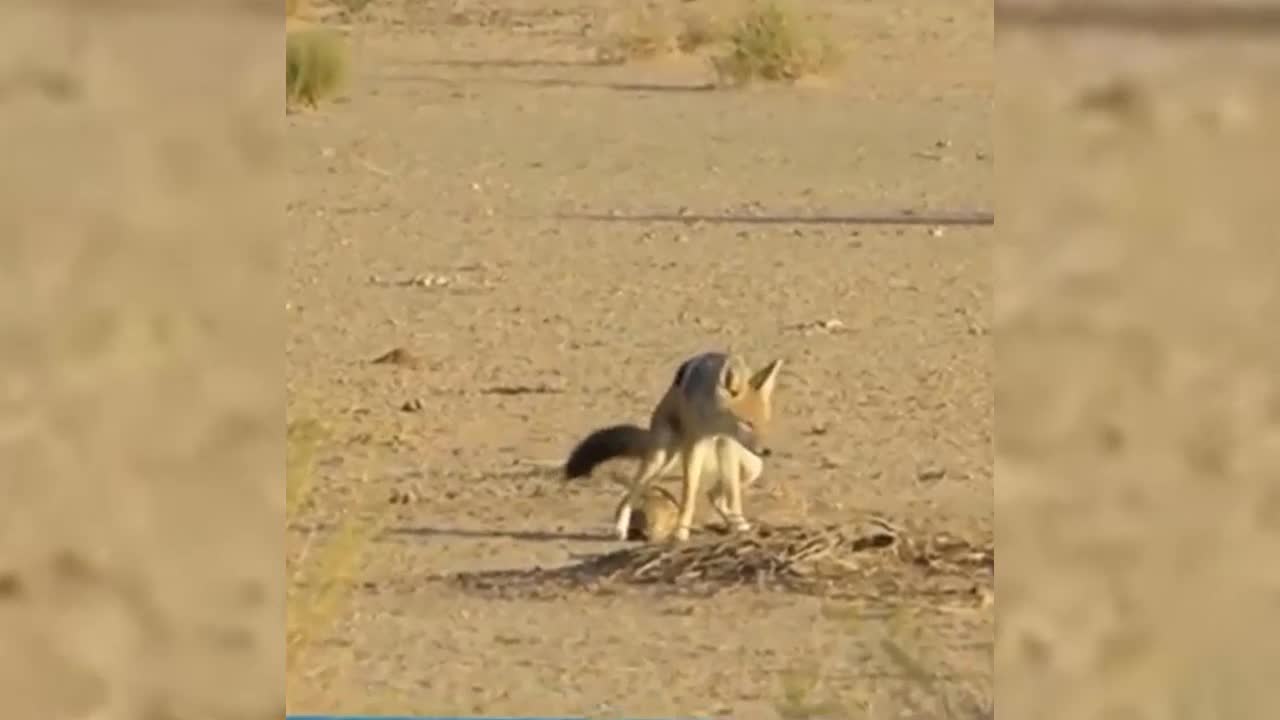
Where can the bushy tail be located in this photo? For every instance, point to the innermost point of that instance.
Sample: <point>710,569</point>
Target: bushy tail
<point>629,441</point>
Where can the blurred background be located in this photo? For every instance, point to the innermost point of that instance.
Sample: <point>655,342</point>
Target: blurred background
<point>1138,399</point>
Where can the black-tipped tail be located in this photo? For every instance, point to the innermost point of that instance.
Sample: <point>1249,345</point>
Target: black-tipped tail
<point>606,444</point>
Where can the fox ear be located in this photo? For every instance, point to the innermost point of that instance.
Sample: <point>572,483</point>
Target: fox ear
<point>733,376</point>
<point>764,379</point>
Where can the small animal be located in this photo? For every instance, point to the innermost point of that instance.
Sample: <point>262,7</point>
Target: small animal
<point>655,520</point>
<point>714,416</point>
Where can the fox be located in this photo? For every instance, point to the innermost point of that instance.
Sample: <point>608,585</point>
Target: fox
<point>714,416</point>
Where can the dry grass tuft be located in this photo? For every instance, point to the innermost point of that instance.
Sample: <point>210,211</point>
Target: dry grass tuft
<point>354,7</point>
<point>321,572</point>
<point>315,65</point>
<point>648,31</point>
<point>771,44</point>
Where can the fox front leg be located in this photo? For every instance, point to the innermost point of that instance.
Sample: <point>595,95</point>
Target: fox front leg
<point>694,457</point>
<point>716,495</point>
<point>731,457</point>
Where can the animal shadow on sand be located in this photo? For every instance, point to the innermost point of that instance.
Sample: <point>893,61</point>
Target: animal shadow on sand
<point>522,535</point>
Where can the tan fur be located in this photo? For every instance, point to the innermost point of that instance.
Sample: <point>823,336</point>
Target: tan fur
<point>658,515</point>
<point>683,421</point>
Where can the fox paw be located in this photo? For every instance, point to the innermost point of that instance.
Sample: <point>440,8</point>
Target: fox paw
<point>739,524</point>
<point>681,534</point>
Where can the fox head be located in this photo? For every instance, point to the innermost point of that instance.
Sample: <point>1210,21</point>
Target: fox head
<point>748,395</point>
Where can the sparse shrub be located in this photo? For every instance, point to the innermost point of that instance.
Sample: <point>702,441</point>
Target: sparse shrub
<point>315,65</point>
<point>354,7</point>
<point>698,30</point>
<point>640,32</point>
<point>768,43</point>
<point>649,31</point>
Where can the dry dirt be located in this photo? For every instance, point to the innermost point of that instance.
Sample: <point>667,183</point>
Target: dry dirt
<point>422,216</point>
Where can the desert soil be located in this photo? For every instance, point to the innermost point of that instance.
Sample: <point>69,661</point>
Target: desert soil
<point>422,216</point>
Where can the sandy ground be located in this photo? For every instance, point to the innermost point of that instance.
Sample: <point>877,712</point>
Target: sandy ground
<point>455,148</point>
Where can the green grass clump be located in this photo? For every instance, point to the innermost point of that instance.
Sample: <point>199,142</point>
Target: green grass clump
<point>315,65</point>
<point>768,43</point>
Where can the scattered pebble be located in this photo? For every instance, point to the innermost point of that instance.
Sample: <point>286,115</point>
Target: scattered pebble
<point>412,405</point>
<point>832,325</point>
<point>931,473</point>
<point>428,280</point>
<point>404,496</point>
<point>397,356</point>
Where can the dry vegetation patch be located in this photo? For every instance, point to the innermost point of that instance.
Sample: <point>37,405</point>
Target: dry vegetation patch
<point>316,58</point>
<point>647,31</point>
<point>315,65</point>
<point>833,561</point>
<point>770,43</point>
<point>763,41</point>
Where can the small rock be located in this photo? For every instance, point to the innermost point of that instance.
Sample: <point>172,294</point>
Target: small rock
<point>937,231</point>
<point>931,474</point>
<point>404,496</point>
<point>832,325</point>
<point>397,356</point>
<point>412,405</point>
